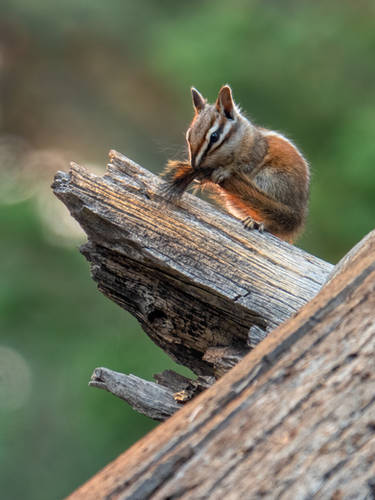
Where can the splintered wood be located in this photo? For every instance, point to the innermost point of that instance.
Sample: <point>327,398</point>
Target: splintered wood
<point>296,417</point>
<point>193,277</point>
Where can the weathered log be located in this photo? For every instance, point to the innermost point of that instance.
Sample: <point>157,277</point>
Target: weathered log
<point>305,429</point>
<point>203,288</point>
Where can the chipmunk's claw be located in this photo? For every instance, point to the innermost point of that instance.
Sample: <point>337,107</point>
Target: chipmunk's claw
<point>249,223</point>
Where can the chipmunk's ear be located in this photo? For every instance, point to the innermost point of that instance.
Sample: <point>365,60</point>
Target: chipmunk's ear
<point>199,101</point>
<point>225,103</point>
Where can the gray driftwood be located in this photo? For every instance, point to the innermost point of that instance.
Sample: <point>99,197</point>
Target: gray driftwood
<point>203,288</point>
<point>295,419</point>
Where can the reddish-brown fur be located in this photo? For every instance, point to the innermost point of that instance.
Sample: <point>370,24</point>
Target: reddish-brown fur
<point>264,177</point>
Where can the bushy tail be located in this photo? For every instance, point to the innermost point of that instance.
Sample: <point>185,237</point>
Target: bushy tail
<point>178,176</point>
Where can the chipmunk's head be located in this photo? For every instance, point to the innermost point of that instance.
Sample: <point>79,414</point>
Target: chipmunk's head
<point>212,133</point>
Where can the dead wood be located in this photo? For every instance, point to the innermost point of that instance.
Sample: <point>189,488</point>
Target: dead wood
<point>155,400</point>
<point>296,417</point>
<point>305,429</point>
<point>203,288</point>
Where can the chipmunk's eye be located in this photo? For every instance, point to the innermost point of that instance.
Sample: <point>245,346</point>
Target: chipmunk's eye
<point>214,137</point>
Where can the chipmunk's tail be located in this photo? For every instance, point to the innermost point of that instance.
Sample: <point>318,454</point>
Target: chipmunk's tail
<point>178,176</point>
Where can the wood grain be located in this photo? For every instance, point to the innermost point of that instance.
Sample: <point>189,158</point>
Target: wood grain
<point>151,399</point>
<point>193,277</point>
<point>294,419</point>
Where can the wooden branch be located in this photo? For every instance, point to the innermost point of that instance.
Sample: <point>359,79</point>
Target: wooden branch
<point>148,398</point>
<point>157,401</point>
<point>305,429</point>
<point>203,288</point>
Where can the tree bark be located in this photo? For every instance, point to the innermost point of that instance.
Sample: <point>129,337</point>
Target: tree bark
<point>294,419</point>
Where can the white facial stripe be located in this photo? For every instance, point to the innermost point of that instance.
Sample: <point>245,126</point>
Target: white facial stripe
<point>203,148</point>
<point>223,134</point>
<point>215,127</point>
<point>187,136</point>
<point>198,158</point>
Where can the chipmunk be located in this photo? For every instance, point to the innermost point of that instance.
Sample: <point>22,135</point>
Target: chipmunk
<point>257,174</point>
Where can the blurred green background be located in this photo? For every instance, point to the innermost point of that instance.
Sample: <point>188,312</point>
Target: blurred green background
<point>80,77</point>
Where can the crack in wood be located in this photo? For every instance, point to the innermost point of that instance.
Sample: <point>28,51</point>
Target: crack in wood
<point>296,416</point>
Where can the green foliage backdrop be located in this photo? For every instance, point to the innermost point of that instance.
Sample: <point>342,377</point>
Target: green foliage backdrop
<point>78,78</point>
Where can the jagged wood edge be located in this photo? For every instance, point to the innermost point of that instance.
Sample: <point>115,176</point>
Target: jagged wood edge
<point>155,400</point>
<point>193,277</point>
<point>175,382</point>
<point>145,397</point>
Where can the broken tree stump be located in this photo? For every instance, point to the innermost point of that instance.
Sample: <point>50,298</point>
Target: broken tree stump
<point>203,288</point>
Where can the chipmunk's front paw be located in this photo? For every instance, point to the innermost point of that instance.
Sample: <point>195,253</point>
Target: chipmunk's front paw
<point>250,223</point>
<point>220,174</point>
